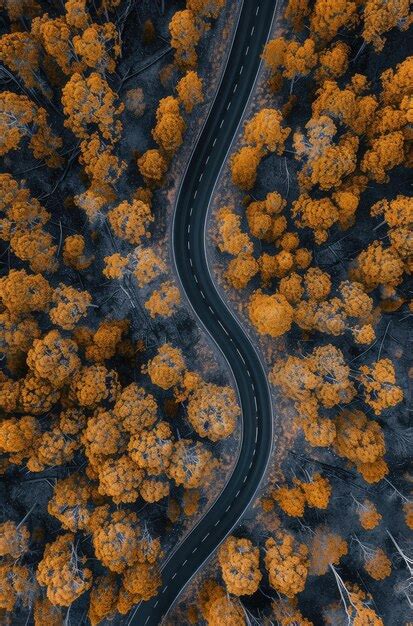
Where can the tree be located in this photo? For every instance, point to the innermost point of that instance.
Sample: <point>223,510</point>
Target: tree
<point>264,219</point>
<point>91,101</point>
<point>377,564</point>
<point>213,411</point>
<point>116,541</point>
<point>291,500</point>
<point>46,614</point>
<point>385,153</point>
<point>130,221</point>
<point>189,463</point>
<point>230,237</point>
<point>103,599</point>
<point>333,62</point>
<point>20,117</point>
<point>98,47</point>
<point>16,586</point>
<point>378,266</point>
<point>142,580</point>
<point>61,572</point>
<point>20,52</point>
<point>102,166</point>
<point>239,562</point>
<point>154,489</point>
<point>55,37</point>
<point>94,384</point>
<point>120,479</point>
<point>103,436</point>
<point>397,84</point>
<point>37,395</point>
<point>264,131</point>
<point>168,132</point>
<point>317,491</point>
<point>136,408</point>
<point>326,548</point>
<point>319,215</point>
<point>299,58</point>
<point>167,367</point>
<point>218,608</point>
<point>152,166</point>
<point>71,502</point>
<point>380,17</point>
<point>380,389</point>
<point>69,305</point>
<point>368,515</point>
<point>241,270</point>
<point>152,449</point>
<point>189,90</point>
<point>53,358</point>
<point>208,9</point>
<point>244,164</point>
<point>74,253</point>
<point>295,12</point>
<point>164,300</point>
<point>271,315</point>
<point>14,539</point>
<point>147,265</point>
<point>362,442</point>
<point>328,18</point>
<point>185,35</point>
<point>53,448</point>
<point>286,563</point>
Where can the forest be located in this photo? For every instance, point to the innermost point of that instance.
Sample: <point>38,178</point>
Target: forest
<point>112,403</point>
<point>120,420</point>
<point>311,242</point>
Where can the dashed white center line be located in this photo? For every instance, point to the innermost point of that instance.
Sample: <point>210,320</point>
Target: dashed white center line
<point>241,68</point>
<point>223,327</point>
<point>247,50</point>
<point>174,575</point>
<point>256,434</point>
<point>214,142</point>
<point>200,178</point>
<point>190,210</point>
<point>188,245</point>
<point>252,31</point>
<point>258,8</point>
<point>194,550</point>
<point>222,121</point>
<point>185,562</point>
<point>235,88</point>
<point>206,537</point>
<point>238,492</point>
<point>190,261</point>
<point>195,192</point>
<point>255,402</point>
<point>207,159</point>
<point>217,522</point>
<point>164,589</point>
<point>245,478</point>
<point>228,508</point>
<point>228,105</point>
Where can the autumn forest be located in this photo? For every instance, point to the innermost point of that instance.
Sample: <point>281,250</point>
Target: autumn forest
<point>121,420</point>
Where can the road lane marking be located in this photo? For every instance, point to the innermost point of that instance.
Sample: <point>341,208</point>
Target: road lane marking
<point>215,140</point>
<point>228,105</point>
<point>217,522</point>
<point>235,88</point>
<point>252,31</point>
<point>207,159</point>
<point>247,50</point>
<point>206,537</point>
<point>238,492</point>
<point>228,508</point>
<point>164,589</point>
<point>194,550</point>
<point>256,434</point>
<point>195,192</point>
<point>190,211</point>
<point>174,575</point>
<point>184,563</point>
<point>242,67</point>
<point>258,8</point>
<point>223,327</point>
<point>222,121</point>
<point>255,402</point>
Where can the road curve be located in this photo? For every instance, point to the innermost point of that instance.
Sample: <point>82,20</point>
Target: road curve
<point>190,258</point>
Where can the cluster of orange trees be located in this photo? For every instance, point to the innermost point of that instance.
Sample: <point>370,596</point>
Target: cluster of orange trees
<point>318,251</point>
<point>90,413</point>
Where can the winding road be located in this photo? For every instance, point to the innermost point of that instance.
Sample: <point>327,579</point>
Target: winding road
<point>191,209</point>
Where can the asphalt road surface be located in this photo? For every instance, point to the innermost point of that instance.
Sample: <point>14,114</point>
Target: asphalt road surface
<point>190,258</point>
